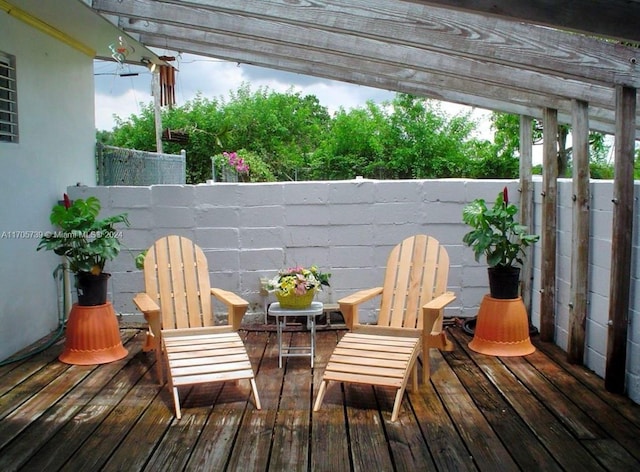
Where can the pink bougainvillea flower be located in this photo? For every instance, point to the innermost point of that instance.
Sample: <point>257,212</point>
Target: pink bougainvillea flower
<point>236,162</point>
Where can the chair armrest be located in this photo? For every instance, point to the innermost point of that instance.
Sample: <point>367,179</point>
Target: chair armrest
<point>440,301</point>
<point>145,303</point>
<point>432,312</point>
<point>151,312</point>
<point>349,304</point>
<point>236,306</point>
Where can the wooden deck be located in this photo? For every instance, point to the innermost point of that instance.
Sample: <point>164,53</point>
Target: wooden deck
<point>478,413</point>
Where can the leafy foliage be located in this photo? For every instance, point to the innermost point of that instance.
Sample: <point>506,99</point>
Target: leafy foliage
<point>496,234</point>
<point>86,241</point>
<point>288,136</point>
<point>354,144</point>
<point>258,170</point>
<point>507,141</point>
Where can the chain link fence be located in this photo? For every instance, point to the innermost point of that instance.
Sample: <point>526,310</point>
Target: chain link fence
<point>120,166</point>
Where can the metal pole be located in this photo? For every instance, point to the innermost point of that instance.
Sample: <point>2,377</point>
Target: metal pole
<point>157,110</point>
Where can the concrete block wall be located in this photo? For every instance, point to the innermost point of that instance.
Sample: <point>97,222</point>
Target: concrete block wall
<point>250,231</point>
<point>601,223</point>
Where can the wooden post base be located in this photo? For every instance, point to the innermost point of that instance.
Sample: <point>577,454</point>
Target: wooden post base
<point>502,328</point>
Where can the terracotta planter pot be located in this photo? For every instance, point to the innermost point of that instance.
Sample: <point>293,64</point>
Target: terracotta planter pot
<point>502,328</point>
<point>92,336</point>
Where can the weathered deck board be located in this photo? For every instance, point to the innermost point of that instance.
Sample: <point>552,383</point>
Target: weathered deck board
<point>252,449</point>
<point>478,413</point>
<point>516,402</point>
<point>40,431</point>
<point>480,439</point>
<point>329,441</point>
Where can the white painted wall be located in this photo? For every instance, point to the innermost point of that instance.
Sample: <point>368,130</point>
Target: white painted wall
<point>56,149</point>
<point>348,228</point>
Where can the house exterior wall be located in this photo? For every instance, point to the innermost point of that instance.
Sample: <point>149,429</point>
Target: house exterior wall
<point>55,150</point>
<point>250,231</point>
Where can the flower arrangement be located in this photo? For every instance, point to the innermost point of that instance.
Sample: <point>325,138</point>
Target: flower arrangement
<point>298,281</point>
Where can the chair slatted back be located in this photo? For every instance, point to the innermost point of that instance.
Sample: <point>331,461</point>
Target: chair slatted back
<point>176,276</point>
<point>417,272</point>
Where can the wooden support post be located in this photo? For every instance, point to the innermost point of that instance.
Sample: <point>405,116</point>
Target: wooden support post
<point>621,238</point>
<point>580,242</point>
<point>549,224</point>
<point>526,203</point>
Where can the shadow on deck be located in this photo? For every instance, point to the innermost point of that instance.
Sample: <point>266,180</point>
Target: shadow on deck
<point>478,413</point>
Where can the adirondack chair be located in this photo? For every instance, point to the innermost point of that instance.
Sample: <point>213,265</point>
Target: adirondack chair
<point>177,306</point>
<point>412,302</point>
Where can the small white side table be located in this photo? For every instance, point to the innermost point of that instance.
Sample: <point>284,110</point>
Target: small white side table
<point>281,315</point>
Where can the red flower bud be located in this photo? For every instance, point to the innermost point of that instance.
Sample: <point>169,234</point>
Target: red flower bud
<point>67,202</point>
<point>505,196</point>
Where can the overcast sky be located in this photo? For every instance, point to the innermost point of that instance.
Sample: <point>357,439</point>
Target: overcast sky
<point>122,96</point>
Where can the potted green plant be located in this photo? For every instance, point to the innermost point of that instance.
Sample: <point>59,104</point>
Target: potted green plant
<point>501,239</point>
<point>87,243</point>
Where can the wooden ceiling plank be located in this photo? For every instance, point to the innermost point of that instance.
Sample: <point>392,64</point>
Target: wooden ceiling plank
<point>405,56</point>
<point>439,30</point>
<point>365,73</point>
<point>445,30</point>
<point>220,41</point>
<point>607,18</point>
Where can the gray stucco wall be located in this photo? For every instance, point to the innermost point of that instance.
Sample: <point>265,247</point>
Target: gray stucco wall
<point>250,231</point>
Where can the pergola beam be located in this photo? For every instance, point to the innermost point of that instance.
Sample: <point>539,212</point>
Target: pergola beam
<point>380,75</point>
<point>437,31</point>
<point>606,18</point>
<point>232,35</point>
<point>549,225</point>
<point>578,306</point>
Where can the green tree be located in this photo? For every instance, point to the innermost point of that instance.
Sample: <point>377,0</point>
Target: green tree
<point>507,139</point>
<point>137,131</point>
<point>282,128</point>
<point>424,142</point>
<point>202,120</point>
<point>354,144</point>
<point>287,136</point>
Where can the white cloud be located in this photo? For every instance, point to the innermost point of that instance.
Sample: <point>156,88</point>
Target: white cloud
<point>122,96</point>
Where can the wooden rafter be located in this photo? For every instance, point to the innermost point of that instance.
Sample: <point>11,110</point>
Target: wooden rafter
<point>607,18</point>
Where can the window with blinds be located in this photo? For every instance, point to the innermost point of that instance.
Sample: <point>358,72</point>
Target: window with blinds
<point>8,99</point>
